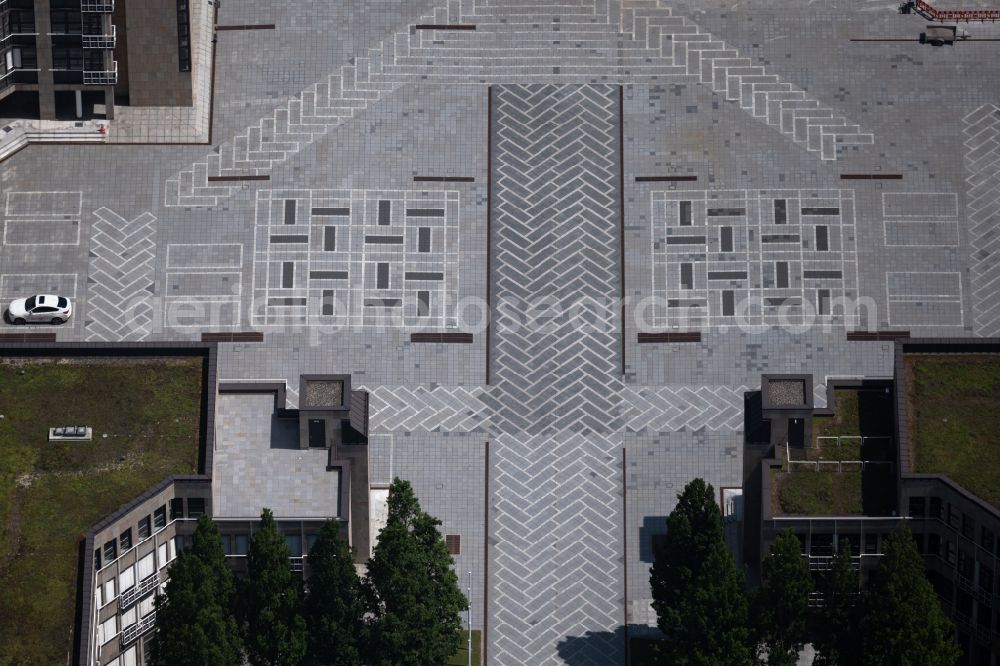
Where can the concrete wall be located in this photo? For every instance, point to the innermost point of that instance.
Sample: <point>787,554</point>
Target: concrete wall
<point>154,77</point>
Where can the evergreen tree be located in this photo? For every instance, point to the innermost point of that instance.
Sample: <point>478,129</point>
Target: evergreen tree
<point>781,604</point>
<point>194,619</point>
<point>698,593</point>
<point>904,624</point>
<point>334,611</point>
<point>838,621</point>
<point>274,631</point>
<point>412,590</point>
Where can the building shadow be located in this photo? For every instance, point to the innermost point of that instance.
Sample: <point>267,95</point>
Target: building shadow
<point>284,433</point>
<point>652,531</point>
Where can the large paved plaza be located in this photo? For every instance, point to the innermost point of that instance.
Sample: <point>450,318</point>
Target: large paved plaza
<point>578,172</point>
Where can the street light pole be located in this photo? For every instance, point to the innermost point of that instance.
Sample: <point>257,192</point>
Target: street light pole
<point>468,600</point>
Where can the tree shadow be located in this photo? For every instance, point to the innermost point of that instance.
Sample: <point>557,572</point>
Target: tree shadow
<point>594,648</point>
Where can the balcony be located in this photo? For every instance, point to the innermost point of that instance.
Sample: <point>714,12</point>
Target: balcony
<point>108,77</point>
<point>133,631</point>
<point>102,6</point>
<point>131,595</point>
<point>100,41</point>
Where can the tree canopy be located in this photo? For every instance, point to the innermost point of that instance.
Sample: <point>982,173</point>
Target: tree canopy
<point>411,589</point>
<point>195,623</point>
<point>698,593</point>
<point>837,626</point>
<point>781,604</point>
<point>904,624</point>
<point>333,607</point>
<point>274,632</point>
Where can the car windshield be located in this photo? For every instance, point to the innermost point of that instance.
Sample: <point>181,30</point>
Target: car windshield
<point>30,303</point>
<point>62,302</point>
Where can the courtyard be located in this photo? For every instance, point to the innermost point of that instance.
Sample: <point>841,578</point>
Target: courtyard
<point>556,242</point>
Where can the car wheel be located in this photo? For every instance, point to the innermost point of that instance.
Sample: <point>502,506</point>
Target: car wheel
<point>19,322</point>
<point>56,321</point>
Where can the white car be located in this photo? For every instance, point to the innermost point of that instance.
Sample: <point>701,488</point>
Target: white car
<point>40,309</point>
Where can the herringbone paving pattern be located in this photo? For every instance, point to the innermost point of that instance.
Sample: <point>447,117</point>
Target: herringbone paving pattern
<point>120,278</point>
<point>628,41</point>
<point>982,161</point>
<point>556,491</point>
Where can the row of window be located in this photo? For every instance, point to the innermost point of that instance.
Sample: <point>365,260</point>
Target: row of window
<point>63,58</point>
<point>136,573</point>
<point>183,36</point>
<point>110,628</point>
<point>146,526</point>
<point>920,507</point>
<point>17,22</point>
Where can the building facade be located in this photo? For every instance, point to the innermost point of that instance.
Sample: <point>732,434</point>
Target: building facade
<point>80,56</point>
<point>955,531</point>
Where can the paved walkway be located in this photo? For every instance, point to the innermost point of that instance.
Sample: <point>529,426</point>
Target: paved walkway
<point>556,496</point>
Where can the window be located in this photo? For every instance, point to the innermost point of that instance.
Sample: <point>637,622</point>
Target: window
<point>144,528</point>
<point>294,542</point>
<point>949,552</point>
<point>146,567</point>
<point>986,539</point>
<point>311,541</point>
<point>66,22</point>
<point>176,508</point>
<point>952,516</point>
<point>183,37</point>
<point>128,618</point>
<point>18,22</point>
<point>67,58</point>
<point>107,630</point>
<point>97,558</point>
<point>966,565</point>
<point>227,544</point>
<point>918,506</point>
<point>196,507</point>
<point>129,658</point>
<point>986,578</point>
<point>109,591</point>
<point>125,540</point>
<point>94,60</point>
<point>178,545</point>
<point>126,578</point>
<point>161,554</point>
<point>936,507</point>
<point>933,544</point>
<point>454,543</point>
<point>240,543</point>
<point>968,527</point>
<point>160,517</point>
<point>146,605</point>
<point>110,550</point>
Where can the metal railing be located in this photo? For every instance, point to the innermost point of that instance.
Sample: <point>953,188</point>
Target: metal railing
<point>107,77</point>
<point>100,41</point>
<point>133,631</point>
<point>929,12</point>
<point>839,464</point>
<point>103,6</point>
<point>131,595</point>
